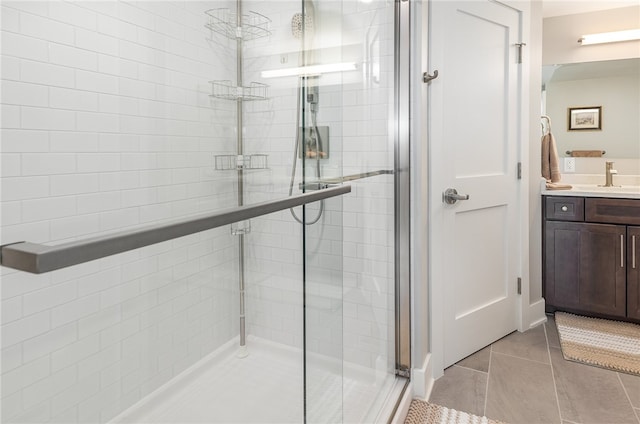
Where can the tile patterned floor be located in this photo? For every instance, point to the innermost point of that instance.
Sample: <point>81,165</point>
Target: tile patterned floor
<point>523,378</point>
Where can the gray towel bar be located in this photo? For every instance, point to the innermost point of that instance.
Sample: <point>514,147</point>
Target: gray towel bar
<point>319,184</point>
<point>40,258</point>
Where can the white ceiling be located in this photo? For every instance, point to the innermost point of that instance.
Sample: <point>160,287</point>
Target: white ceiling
<point>569,7</point>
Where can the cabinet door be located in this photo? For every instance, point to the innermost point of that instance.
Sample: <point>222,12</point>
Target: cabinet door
<point>562,264</point>
<point>585,267</point>
<point>633,272</point>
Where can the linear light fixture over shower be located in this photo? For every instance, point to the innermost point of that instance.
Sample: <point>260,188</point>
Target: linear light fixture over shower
<point>310,70</point>
<point>610,37</point>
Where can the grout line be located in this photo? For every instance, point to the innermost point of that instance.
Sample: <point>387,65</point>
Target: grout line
<point>525,359</point>
<point>471,369</point>
<point>627,395</point>
<point>553,375</point>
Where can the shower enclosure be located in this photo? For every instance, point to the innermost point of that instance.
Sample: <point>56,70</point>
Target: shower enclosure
<point>201,211</point>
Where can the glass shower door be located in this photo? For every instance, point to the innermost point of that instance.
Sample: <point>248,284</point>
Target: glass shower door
<point>323,311</point>
<point>185,108</point>
<point>300,307</point>
<point>347,110</point>
<point>350,253</point>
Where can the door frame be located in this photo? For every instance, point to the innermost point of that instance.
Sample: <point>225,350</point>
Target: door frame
<point>402,186</point>
<point>528,315</point>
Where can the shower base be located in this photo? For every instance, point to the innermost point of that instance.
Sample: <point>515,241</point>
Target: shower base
<point>264,387</point>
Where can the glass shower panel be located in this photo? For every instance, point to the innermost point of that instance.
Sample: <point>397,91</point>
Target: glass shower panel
<point>263,381</point>
<point>118,133</point>
<point>319,150</point>
<point>131,116</point>
<point>296,126</point>
<point>118,115</point>
<point>122,333</point>
<point>323,313</point>
<point>350,302</point>
<point>368,146</point>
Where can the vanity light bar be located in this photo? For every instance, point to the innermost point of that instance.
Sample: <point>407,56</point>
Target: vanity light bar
<point>310,70</point>
<point>610,37</point>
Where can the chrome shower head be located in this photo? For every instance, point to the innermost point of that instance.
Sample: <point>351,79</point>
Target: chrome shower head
<point>302,23</point>
<point>297,26</point>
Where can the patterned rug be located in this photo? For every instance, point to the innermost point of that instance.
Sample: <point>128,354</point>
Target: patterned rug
<point>607,344</point>
<point>421,412</point>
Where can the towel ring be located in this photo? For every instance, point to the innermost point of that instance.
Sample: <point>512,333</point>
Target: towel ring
<point>545,117</point>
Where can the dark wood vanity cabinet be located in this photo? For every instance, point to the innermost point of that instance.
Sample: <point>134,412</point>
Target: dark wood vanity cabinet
<point>588,260</point>
<point>633,272</point>
<point>583,267</point>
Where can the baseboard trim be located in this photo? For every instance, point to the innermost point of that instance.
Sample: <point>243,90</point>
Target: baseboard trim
<point>422,379</point>
<point>536,313</point>
<point>419,387</point>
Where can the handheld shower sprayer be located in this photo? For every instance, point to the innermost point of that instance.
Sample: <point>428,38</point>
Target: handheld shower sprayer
<point>302,28</point>
<point>302,22</point>
<point>300,25</point>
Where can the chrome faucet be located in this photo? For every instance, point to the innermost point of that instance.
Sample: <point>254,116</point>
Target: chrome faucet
<point>609,173</point>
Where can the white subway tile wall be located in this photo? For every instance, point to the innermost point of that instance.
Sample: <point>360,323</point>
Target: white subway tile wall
<point>107,124</point>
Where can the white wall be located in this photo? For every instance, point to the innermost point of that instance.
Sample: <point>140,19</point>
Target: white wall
<point>534,221</point>
<point>559,46</point>
<point>106,125</point>
<point>618,96</point>
<point>561,34</point>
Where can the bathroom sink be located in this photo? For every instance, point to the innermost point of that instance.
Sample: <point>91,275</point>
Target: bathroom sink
<point>600,189</point>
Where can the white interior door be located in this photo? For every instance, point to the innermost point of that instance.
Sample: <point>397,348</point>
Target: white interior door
<point>473,128</point>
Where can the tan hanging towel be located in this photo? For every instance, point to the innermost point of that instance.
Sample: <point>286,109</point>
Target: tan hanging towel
<point>558,186</point>
<point>550,162</point>
<point>586,153</point>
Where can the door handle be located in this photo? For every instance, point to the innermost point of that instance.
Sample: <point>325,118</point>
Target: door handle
<point>451,196</point>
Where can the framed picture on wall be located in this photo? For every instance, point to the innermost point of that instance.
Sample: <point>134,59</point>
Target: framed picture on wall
<point>585,118</point>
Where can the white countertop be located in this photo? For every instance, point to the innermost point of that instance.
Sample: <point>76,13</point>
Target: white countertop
<point>588,185</point>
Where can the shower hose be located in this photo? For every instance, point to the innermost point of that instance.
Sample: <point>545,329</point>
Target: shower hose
<point>314,122</point>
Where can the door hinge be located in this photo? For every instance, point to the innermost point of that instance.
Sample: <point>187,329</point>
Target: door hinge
<point>403,372</point>
<point>519,170</point>
<point>519,46</point>
<point>519,285</point>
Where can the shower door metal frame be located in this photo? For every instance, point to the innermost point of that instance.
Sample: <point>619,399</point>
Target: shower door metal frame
<point>402,181</point>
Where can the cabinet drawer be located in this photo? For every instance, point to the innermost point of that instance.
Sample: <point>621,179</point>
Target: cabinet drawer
<point>563,208</point>
<point>614,211</point>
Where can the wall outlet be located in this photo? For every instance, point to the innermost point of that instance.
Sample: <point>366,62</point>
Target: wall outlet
<point>569,164</point>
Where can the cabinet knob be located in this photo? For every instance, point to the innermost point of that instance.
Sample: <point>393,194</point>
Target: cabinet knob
<point>564,208</point>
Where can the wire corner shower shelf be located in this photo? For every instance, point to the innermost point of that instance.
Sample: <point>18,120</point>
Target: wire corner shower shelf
<point>224,89</point>
<point>225,22</point>
<point>235,162</point>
